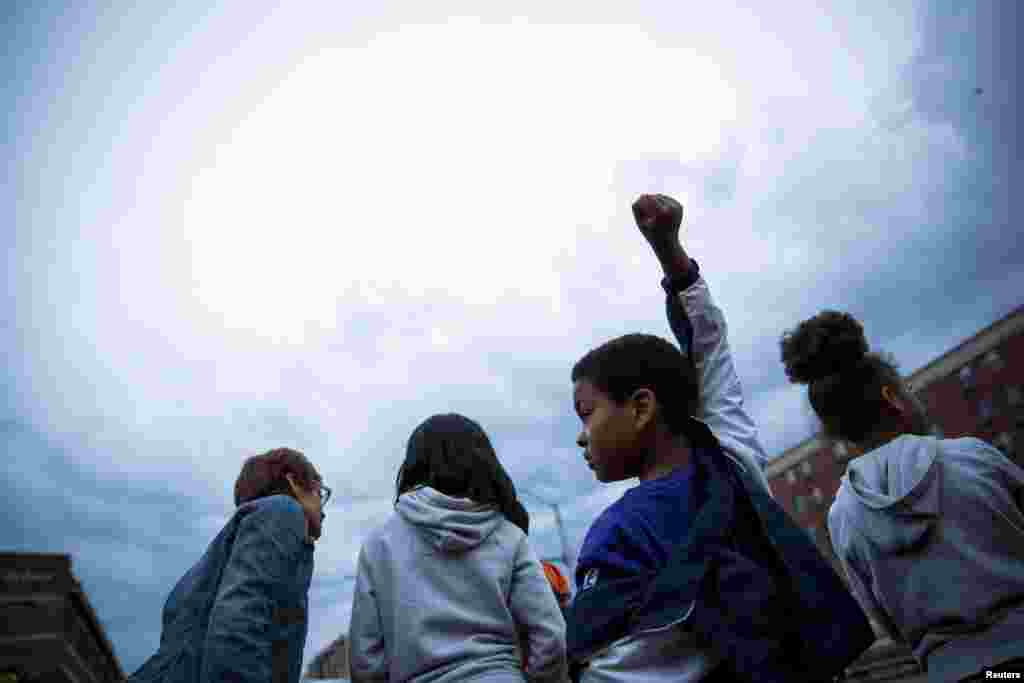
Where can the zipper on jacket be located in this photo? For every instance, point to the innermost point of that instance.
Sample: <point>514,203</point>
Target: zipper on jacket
<point>671,624</point>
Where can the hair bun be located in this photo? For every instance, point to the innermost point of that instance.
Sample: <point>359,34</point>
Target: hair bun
<point>823,345</point>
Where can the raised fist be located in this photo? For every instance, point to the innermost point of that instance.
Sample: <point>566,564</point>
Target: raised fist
<point>658,216</point>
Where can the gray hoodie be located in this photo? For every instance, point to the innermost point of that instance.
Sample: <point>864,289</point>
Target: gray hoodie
<point>930,533</point>
<point>442,590</point>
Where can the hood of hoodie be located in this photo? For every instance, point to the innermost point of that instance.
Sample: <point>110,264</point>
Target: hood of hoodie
<point>449,524</point>
<point>900,482</point>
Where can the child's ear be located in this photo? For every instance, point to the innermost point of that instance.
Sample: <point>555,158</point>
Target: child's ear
<point>644,407</point>
<point>893,398</point>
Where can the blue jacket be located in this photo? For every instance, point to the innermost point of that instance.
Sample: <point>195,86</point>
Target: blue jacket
<point>754,587</point>
<point>760,601</point>
<point>240,613</point>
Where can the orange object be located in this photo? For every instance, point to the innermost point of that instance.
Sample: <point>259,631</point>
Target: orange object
<point>559,584</point>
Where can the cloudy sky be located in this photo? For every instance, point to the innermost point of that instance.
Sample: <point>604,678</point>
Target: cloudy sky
<point>315,225</point>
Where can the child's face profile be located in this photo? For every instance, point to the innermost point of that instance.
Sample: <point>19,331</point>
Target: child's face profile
<point>608,437</point>
<point>312,505</point>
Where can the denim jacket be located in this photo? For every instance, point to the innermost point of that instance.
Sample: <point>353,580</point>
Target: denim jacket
<point>240,613</point>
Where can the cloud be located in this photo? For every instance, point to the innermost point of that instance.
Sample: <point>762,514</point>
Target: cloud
<point>345,529</point>
<point>783,416</point>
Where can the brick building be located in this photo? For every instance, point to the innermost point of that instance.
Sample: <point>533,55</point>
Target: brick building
<point>49,633</point>
<point>331,663</point>
<point>975,389</point>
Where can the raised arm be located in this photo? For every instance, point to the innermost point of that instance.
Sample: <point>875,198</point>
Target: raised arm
<point>700,328</point>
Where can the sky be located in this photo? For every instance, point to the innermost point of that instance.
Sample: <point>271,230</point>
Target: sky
<point>314,225</point>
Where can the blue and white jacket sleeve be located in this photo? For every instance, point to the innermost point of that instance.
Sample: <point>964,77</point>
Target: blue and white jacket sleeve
<point>700,325</point>
<point>253,620</point>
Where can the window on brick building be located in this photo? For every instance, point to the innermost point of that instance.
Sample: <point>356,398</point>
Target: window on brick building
<point>985,409</point>
<point>1014,394</point>
<point>806,468</point>
<point>967,377</point>
<point>994,360</point>
<point>790,476</point>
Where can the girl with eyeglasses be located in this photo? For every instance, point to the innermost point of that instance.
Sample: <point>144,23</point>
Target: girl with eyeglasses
<point>240,613</point>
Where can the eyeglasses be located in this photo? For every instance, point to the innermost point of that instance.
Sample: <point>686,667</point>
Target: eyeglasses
<point>325,493</point>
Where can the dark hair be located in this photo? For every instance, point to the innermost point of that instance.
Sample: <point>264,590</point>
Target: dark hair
<point>642,361</point>
<point>830,354</point>
<point>453,455</point>
<point>264,474</point>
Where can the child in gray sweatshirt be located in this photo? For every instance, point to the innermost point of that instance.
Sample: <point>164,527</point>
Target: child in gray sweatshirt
<point>929,531</point>
<point>446,586</point>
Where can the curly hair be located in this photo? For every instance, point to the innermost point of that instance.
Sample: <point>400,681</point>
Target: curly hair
<point>452,454</point>
<point>264,474</point>
<point>829,353</point>
<point>643,361</point>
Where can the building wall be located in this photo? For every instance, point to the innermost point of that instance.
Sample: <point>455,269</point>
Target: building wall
<point>48,630</point>
<point>331,662</point>
<point>807,488</point>
<point>985,398</point>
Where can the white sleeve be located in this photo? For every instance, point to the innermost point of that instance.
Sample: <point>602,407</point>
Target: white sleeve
<point>721,394</point>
